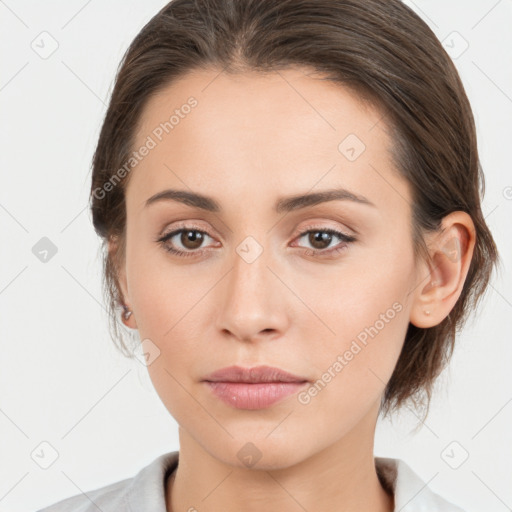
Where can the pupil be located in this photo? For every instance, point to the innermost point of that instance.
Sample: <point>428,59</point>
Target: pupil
<point>193,237</point>
<point>322,237</point>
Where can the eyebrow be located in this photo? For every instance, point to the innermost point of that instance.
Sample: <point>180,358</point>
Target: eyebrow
<point>284,204</point>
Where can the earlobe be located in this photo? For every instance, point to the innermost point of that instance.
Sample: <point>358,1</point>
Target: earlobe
<point>451,252</point>
<point>127,316</point>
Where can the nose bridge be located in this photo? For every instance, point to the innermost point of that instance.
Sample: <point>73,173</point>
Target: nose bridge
<point>252,300</point>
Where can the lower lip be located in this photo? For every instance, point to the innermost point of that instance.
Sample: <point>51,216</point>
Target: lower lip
<point>243,395</point>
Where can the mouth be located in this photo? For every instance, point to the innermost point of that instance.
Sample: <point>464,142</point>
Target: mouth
<point>253,388</point>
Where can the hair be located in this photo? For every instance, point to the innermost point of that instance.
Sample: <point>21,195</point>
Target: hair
<point>379,49</point>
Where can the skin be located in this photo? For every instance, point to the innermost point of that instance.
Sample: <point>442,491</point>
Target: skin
<point>251,140</point>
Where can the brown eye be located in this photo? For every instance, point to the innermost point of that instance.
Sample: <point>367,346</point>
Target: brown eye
<point>186,241</point>
<point>319,239</point>
<point>191,239</point>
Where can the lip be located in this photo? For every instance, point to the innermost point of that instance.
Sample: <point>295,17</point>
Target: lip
<point>243,395</point>
<point>255,375</point>
<point>253,388</point>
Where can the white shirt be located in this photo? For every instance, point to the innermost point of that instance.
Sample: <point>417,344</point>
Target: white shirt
<point>146,490</point>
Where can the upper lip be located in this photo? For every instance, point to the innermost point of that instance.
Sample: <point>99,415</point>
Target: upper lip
<point>253,375</point>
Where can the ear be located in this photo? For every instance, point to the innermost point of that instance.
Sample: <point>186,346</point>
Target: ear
<point>441,283</point>
<point>113,247</point>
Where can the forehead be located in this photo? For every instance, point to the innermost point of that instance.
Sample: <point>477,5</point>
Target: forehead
<point>274,131</point>
<point>282,96</point>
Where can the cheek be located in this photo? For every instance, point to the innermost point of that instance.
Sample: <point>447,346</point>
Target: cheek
<point>361,357</point>
<point>165,295</point>
<point>353,367</point>
<point>360,321</point>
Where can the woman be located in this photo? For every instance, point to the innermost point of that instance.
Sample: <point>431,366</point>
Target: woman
<point>288,192</point>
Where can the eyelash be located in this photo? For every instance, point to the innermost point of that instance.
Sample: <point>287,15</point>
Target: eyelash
<point>346,240</point>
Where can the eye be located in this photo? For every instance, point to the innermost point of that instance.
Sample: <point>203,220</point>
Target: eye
<point>188,241</point>
<point>321,238</point>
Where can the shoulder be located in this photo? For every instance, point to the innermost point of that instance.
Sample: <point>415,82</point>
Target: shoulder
<point>145,490</point>
<point>106,498</point>
<point>411,493</point>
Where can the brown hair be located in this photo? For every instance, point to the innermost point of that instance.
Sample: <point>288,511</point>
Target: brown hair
<point>381,50</point>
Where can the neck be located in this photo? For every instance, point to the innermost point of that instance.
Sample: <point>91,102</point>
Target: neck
<point>340,477</point>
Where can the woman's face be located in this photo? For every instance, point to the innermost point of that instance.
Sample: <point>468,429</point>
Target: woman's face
<point>251,290</point>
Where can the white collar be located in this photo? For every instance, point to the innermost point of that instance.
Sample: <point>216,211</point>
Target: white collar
<point>411,493</point>
<point>146,490</point>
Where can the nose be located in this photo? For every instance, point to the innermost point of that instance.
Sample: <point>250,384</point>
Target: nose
<point>252,300</point>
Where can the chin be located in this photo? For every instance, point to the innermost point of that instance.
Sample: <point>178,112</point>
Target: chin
<point>260,454</point>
